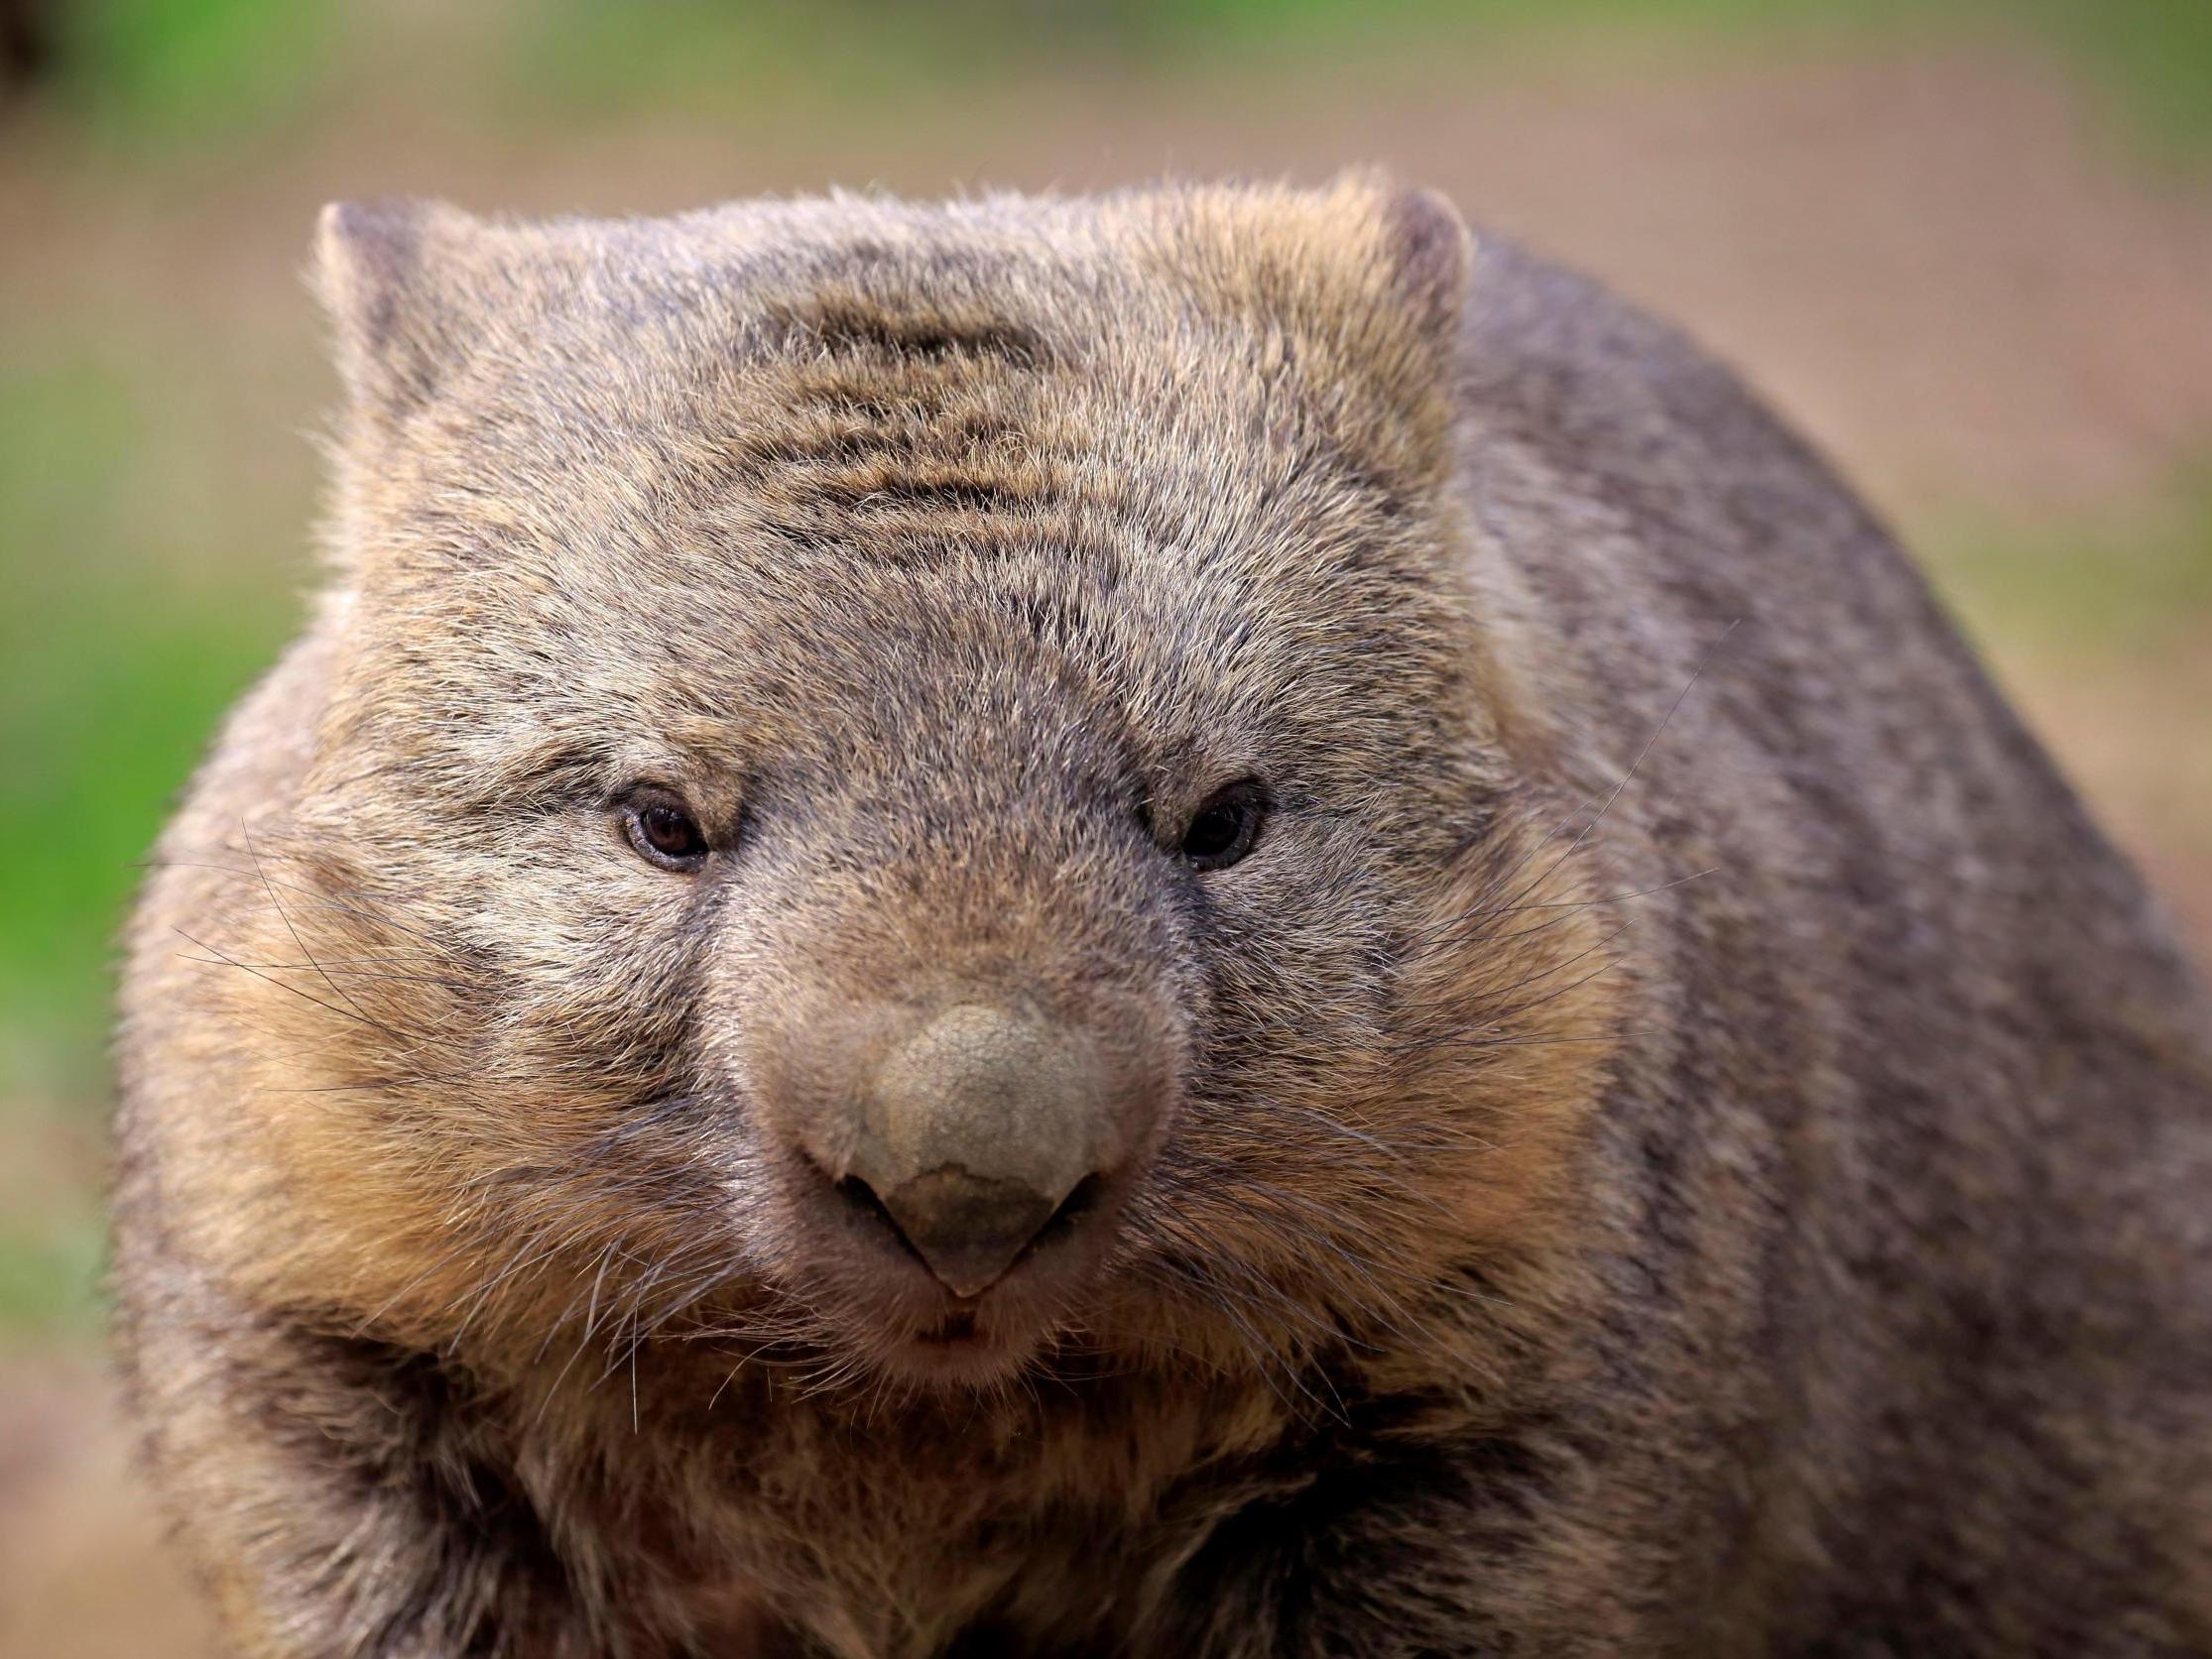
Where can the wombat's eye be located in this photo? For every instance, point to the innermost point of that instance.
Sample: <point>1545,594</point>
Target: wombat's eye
<point>664,833</point>
<point>1225,828</point>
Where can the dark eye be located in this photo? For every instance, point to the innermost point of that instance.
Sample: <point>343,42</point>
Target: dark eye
<point>664,834</point>
<point>1225,828</point>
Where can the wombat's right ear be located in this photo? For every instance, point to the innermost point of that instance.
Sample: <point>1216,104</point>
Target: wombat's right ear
<point>397,277</point>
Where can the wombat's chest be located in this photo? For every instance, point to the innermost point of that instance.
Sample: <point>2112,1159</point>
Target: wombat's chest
<point>917,1539</point>
<point>907,1577</point>
<point>761,1520</point>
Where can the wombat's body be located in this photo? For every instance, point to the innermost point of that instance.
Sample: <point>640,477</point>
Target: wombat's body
<point>1668,1134</point>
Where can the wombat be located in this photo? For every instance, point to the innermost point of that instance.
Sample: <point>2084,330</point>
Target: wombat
<point>1215,922</point>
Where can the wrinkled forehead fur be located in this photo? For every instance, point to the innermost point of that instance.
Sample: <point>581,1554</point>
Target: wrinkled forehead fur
<point>871,475</point>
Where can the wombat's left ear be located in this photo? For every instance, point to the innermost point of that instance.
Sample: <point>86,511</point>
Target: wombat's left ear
<point>399,280</point>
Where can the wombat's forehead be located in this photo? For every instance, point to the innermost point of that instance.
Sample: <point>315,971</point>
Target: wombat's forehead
<point>861,447</point>
<point>895,432</point>
<point>858,389</point>
<point>845,432</point>
<point>803,477</point>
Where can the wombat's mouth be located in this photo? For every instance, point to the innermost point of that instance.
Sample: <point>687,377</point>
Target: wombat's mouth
<point>915,1330</point>
<point>959,1348</point>
<point>922,1314</point>
<point>955,1328</point>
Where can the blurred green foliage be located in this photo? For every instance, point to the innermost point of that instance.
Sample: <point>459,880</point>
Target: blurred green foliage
<point>2132,585</point>
<point>2155,57</point>
<point>118,662</point>
<point>168,70</point>
<point>49,1273</point>
<point>161,67</point>
<point>130,621</point>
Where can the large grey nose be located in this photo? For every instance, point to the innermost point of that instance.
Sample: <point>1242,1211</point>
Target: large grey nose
<point>975,1130</point>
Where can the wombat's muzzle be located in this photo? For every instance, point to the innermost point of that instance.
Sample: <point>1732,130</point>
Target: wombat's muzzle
<point>976,1130</point>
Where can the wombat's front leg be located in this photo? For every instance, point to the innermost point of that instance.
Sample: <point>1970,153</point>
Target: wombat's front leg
<point>341,1502</point>
<point>1455,1546</point>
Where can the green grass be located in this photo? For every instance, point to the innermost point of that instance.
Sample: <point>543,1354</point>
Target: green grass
<point>123,642</point>
<point>139,602</point>
<point>2153,59</point>
<point>49,1278</point>
<point>212,69</point>
<point>2130,587</point>
<point>157,74</point>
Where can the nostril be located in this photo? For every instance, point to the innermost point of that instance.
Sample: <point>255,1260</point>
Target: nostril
<point>860,1198</point>
<point>1079,1203</point>
<point>966,1231</point>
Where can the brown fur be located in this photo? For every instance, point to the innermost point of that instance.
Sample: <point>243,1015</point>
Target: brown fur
<point>1680,1139</point>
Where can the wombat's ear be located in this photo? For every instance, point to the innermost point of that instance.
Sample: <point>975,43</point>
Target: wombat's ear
<point>397,277</point>
<point>1394,274</point>
<point>1428,252</point>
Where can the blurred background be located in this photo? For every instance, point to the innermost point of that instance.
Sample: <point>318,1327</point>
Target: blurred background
<point>1966,244</point>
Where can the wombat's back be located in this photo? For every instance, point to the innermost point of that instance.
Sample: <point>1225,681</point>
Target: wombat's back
<point>1917,1128</point>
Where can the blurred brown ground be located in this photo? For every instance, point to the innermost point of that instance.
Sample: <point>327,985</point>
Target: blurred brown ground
<point>1931,259</point>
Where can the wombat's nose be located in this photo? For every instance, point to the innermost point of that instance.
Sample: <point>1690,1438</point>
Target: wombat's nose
<point>967,1231</point>
<point>977,1131</point>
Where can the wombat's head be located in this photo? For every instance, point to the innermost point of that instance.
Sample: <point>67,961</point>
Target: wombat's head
<point>920,789</point>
